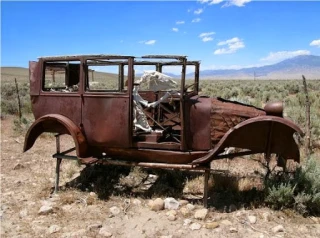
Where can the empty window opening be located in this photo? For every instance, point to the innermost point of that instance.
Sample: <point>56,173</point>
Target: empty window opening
<point>61,76</point>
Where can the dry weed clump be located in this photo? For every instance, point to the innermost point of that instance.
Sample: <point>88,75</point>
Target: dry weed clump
<point>195,185</point>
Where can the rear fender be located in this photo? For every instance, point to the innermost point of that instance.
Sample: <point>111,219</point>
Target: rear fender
<point>56,124</point>
<point>262,134</point>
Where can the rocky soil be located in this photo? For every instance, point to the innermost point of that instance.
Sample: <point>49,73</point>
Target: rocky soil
<point>113,202</point>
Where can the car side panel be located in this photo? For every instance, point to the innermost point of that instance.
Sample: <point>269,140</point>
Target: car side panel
<point>105,120</point>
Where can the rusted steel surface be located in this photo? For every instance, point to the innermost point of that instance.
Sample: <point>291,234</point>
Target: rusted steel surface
<point>200,125</point>
<point>59,124</point>
<point>153,165</point>
<point>77,57</point>
<point>34,76</point>
<point>178,57</point>
<point>68,105</point>
<point>227,114</point>
<point>186,129</point>
<point>105,120</point>
<point>154,155</point>
<point>257,135</point>
<point>274,109</point>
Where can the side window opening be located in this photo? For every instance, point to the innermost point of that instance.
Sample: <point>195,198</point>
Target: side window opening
<point>61,76</point>
<point>104,78</point>
<point>175,73</point>
<point>138,73</point>
<point>190,84</point>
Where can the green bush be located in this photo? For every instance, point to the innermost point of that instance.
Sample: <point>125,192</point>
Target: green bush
<point>21,126</point>
<point>280,196</point>
<point>9,98</point>
<point>301,192</point>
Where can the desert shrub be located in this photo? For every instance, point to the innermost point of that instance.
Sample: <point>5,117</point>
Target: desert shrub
<point>9,107</point>
<point>21,126</point>
<point>9,98</point>
<point>293,88</point>
<point>233,93</point>
<point>244,100</point>
<point>301,192</point>
<point>280,195</point>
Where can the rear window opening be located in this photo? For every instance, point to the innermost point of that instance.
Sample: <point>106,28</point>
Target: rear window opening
<point>61,76</point>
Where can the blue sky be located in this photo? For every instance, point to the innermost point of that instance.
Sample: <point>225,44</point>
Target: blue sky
<point>222,34</point>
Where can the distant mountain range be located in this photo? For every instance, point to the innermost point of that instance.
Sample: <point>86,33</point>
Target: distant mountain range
<point>293,68</point>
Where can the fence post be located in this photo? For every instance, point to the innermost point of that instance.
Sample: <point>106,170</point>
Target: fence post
<point>308,133</point>
<point>19,103</point>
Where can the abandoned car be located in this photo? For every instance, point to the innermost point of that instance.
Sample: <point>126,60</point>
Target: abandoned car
<point>142,113</point>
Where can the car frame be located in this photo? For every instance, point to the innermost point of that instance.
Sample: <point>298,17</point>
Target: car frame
<point>189,130</point>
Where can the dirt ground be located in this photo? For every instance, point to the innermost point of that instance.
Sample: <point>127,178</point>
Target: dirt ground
<point>107,202</point>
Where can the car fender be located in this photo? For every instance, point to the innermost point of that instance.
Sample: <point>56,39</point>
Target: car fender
<point>262,134</point>
<point>56,124</point>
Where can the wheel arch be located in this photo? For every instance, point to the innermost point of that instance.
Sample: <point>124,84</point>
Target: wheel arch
<point>262,134</point>
<point>56,123</point>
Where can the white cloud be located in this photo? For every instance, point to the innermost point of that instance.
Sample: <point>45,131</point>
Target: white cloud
<point>222,51</point>
<point>315,43</point>
<point>179,22</point>
<point>149,42</point>
<point>175,29</point>
<point>232,46</point>
<point>282,55</point>
<point>196,20</point>
<point>230,41</point>
<point>206,36</point>
<point>210,2</point>
<point>215,2</point>
<point>199,11</point>
<point>203,1</point>
<point>229,3</point>
<point>238,3</point>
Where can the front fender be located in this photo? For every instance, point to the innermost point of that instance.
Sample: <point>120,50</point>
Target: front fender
<point>262,134</point>
<point>57,124</point>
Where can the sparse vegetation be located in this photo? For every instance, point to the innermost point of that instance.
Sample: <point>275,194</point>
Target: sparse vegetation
<point>9,101</point>
<point>300,191</point>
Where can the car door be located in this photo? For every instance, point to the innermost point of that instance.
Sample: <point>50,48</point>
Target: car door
<point>106,117</point>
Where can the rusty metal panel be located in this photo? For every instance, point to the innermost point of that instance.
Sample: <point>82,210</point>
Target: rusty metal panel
<point>154,156</point>
<point>77,57</point>
<point>66,104</point>
<point>34,77</point>
<point>200,123</point>
<point>262,134</point>
<point>58,124</point>
<point>105,119</point>
<point>227,114</point>
<point>177,57</point>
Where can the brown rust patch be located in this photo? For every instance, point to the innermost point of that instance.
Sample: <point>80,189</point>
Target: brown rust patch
<point>227,114</point>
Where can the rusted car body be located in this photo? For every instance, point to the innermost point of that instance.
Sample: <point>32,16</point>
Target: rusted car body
<point>187,129</point>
